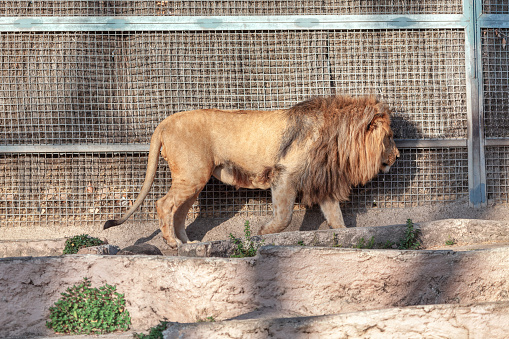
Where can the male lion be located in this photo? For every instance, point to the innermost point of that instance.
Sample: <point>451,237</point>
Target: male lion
<point>320,148</point>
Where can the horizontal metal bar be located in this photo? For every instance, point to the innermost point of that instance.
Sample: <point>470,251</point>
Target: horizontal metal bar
<point>112,148</point>
<point>494,21</point>
<point>90,148</point>
<point>191,23</point>
<point>438,143</point>
<point>496,142</point>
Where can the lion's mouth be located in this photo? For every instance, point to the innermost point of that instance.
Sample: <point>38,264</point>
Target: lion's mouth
<point>385,167</point>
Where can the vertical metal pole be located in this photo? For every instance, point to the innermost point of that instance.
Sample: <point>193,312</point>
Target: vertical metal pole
<point>476,164</point>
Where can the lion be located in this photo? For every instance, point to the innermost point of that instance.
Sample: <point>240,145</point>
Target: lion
<point>319,148</point>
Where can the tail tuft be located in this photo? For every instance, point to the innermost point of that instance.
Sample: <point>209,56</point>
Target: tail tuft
<point>110,223</point>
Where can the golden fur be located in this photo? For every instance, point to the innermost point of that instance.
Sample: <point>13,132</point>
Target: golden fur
<point>320,148</point>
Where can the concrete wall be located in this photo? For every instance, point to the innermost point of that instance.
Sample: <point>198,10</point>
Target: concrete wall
<point>287,281</point>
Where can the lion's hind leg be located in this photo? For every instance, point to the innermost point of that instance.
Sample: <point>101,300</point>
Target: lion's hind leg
<point>165,212</point>
<point>179,219</point>
<point>172,210</point>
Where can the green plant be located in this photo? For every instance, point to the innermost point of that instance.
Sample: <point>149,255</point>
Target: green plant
<point>301,243</point>
<point>74,244</point>
<point>87,310</point>
<point>247,247</point>
<point>410,238</point>
<point>156,332</point>
<point>207,320</point>
<point>388,244</point>
<point>363,244</point>
<point>450,241</point>
<point>335,241</point>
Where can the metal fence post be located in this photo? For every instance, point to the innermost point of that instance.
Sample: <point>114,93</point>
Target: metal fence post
<point>476,162</point>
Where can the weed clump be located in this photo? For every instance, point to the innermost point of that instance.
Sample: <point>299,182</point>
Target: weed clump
<point>370,244</point>
<point>450,242</point>
<point>410,241</point>
<point>246,247</point>
<point>87,310</point>
<point>156,332</point>
<point>207,320</point>
<point>74,244</point>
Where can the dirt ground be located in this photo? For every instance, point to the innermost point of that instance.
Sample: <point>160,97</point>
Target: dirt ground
<point>131,233</point>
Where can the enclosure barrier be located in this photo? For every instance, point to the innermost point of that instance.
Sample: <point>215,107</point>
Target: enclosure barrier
<point>84,84</point>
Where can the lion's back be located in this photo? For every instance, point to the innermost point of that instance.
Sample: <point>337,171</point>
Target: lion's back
<point>248,138</point>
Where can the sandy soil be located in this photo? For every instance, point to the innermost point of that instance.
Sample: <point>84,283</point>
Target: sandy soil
<point>209,229</point>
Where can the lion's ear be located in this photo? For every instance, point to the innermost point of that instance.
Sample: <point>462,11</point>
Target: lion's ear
<point>378,120</point>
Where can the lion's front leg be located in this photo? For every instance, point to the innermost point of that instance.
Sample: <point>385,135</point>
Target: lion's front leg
<point>283,198</point>
<point>332,213</point>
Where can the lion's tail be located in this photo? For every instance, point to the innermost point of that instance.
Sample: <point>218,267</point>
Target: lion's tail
<point>153,159</point>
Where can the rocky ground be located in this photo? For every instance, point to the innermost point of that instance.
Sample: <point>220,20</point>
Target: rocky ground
<point>131,233</point>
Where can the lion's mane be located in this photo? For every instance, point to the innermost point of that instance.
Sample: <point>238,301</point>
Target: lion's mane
<point>348,148</point>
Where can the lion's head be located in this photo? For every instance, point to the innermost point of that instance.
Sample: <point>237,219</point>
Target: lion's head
<point>381,138</point>
<point>389,154</point>
<point>355,142</point>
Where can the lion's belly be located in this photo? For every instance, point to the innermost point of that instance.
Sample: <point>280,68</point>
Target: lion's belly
<point>235,176</point>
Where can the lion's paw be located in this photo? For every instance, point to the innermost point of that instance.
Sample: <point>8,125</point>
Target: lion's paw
<point>337,226</point>
<point>173,242</point>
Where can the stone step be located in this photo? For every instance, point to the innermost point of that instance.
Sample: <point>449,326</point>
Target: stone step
<point>485,320</point>
<point>36,248</point>
<point>465,234</point>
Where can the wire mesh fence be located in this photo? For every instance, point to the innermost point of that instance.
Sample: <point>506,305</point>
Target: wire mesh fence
<point>495,57</point>
<point>495,74</point>
<point>497,173</point>
<point>87,88</point>
<point>495,6</point>
<point>224,7</point>
<point>112,87</point>
<point>115,87</point>
<point>420,177</point>
<point>88,188</point>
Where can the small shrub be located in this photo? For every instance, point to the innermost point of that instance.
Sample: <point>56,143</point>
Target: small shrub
<point>247,247</point>
<point>301,243</point>
<point>207,320</point>
<point>410,239</point>
<point>388,244</point>
<point>335,241</point>
<point>156,332</point>
<point>363,244</point>
<point>86,310</point>
<point>74,244</point>
<point>450,242</point>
